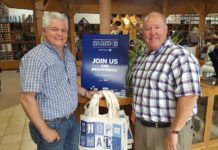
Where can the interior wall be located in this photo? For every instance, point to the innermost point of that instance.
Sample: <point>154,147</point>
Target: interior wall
<point>19,12</point>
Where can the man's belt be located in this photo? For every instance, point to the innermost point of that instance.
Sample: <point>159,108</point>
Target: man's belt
<point>60,118</point>
<point>155,124</point>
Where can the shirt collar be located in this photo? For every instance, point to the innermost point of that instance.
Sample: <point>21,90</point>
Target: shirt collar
<point>51,46</point>
<point>54,49</point>
<point>166,44</point>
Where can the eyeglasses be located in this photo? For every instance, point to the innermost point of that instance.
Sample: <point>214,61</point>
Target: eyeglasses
<point>56,30</point>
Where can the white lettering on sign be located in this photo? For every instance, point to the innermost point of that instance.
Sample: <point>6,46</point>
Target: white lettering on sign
<point>106,43</point>
<point>104,61</point>
<point>104,69</point>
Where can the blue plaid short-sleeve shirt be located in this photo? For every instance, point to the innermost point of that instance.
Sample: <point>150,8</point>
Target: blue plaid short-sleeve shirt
<point>54,80</point>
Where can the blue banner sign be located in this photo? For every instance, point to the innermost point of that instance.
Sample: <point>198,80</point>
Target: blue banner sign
<point>105,63</point>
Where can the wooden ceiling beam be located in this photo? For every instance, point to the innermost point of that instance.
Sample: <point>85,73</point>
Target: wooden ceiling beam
<point>137,6</point>
<point>73,7</point>
<point>45,2</point>
<point>37,14</point>
<point>211,5</point>
<point>165,7</point>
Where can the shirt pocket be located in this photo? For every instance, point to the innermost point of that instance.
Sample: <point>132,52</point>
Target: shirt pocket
<point>54,75</point>
<point>159,81</point>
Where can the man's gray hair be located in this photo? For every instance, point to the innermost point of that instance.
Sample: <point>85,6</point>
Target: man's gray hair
<point>156,13</point>
<point>48,16</point>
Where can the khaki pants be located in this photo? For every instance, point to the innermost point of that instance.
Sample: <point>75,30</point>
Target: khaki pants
<point>149,138</point>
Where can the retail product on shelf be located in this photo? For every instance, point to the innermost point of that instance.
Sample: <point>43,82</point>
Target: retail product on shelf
<point>5,32</point>
<point>185,23</point>
<point>16,39</point>
<point>86,28</point>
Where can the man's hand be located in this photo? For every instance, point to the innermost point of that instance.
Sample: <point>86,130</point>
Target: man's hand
<point>50,135</point>
<point>89,94</point>
<point>171,141</point>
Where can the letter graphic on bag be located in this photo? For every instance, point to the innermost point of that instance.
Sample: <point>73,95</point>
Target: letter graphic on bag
<point>109,131</point>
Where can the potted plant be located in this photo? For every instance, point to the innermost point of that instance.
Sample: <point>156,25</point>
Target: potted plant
<point>134,52</point>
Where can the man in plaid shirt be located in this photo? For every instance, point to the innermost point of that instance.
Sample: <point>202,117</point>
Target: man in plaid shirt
<point>49,88</point>
<point>166,86</point>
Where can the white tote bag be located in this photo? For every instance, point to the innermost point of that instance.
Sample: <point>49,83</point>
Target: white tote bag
<point>104,132</point>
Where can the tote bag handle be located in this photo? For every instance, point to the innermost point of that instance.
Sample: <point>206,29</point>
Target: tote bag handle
<point>92,107</point>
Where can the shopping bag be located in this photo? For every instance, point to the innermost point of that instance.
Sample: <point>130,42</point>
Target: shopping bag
<point>103,131</point>
<point>130,140</point>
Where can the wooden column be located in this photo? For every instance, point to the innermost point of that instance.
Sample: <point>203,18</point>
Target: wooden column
<point>37,14</point>
<point>72,33</point>
<point>202,10</point>
<point>165,7</point>
<point>70,8</point>
<point>73,9</point>
<point>105,15</point>
<point>201,26</point>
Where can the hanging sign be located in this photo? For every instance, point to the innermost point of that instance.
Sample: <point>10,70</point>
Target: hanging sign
<point>105,62</point>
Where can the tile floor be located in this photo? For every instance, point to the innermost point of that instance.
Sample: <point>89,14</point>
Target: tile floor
<point>14,130</point>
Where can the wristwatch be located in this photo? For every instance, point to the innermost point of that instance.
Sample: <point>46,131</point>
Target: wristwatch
<point>174,131</point>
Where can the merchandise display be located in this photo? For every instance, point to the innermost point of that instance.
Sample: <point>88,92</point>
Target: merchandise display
<point>17,37</point>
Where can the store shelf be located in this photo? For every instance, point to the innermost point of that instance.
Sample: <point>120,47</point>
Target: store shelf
<point>16,39</point>
<point>86,28</point>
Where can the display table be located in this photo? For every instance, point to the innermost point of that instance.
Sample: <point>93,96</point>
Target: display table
<point>9,64</point>
<point>122,101</point>
<point>209,91</point>
<point>125,103</point>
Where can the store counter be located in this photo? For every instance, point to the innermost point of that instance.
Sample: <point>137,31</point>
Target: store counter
<point>124,103</point>
<point>208,111</point>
